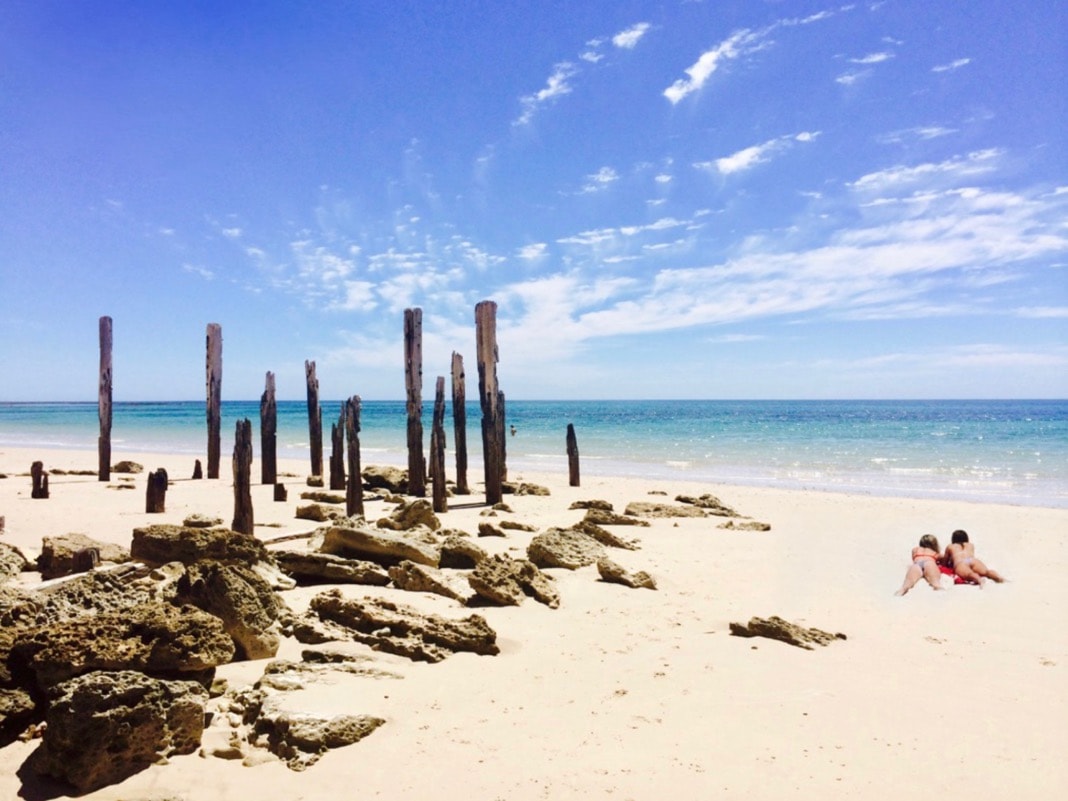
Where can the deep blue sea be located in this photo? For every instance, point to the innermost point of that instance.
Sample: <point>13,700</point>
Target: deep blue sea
<point>1001,451</point>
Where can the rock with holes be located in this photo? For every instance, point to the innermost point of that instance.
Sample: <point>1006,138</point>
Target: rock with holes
<point>564,547</point>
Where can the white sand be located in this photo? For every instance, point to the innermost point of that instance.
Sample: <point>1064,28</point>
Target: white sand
<point>639,694</point>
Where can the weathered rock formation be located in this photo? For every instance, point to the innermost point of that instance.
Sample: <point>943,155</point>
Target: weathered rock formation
<point>392,479</point>
<point>241,599</point>
<point>709,503</point>
<point>411,514</point>
<point>776,628</point>
<point>59,554</point>
<point>615,574</point>
<point>159,544</point>
<point>381,546</point>
<point>650,509</point>
<point>421,578</point>
<point>324,568</point>
<point>12,562</point>
<point>507,582</point>
<point>564,547</point>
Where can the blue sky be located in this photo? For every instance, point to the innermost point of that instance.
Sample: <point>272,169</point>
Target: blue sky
<point>719,199</point>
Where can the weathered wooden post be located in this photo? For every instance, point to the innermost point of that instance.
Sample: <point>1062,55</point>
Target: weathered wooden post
<point>214,382</point>
<point>459,422</point>
<point>156,492</point>
<point>268,433</point>
<point>572,456</point>
<point>413,382</point>
<point>437,448</point>
<point>354,493</point>
<point>315,419</point>
<point>243,478</point>
<point>38,480</point>
<point>198,470</point>
<point>489,396</point>
<point>104,402</point>
<point>502,440</point>
<point>337,451</point>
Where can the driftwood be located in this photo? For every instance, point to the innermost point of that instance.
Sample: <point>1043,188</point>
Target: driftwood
<point>39,480</point>
<point>315,420</point>
<point>243,521</point>
<point>437,448</point>
<point>459,422</point>
<point>572,456</point>
<point>104,402</point>
<point>156,492</point>
<point>214,387</point>
<point>489,397</point>
<point>354,492</point>
<point>413,382</point>
<point>268,433</point>
<point>337,452</point>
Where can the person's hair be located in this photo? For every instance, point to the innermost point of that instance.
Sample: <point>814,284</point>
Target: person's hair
<point>929,541</point>
<point>959,536</point>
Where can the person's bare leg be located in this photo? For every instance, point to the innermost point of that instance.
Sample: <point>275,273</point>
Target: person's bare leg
<point>967,573</point>
<point>933,575</point>
<point>911,577</point>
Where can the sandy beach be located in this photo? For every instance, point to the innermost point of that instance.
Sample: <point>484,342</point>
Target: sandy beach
<point>644,694</point>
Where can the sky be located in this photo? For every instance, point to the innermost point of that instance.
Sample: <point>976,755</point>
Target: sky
<point>679,199</point>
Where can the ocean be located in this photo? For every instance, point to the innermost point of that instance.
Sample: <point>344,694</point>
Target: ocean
<point>997,451</point>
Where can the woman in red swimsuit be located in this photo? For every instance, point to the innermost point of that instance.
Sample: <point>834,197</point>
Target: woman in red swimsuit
<point>924,565</point>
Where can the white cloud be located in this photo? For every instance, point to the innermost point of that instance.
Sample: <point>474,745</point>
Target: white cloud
<point>629,38</point>
<point>975,163</point>
<point>736,45</point>
<point>231,233</point>
<point>749,157</point>
<point>872,58</point>
<point>1043,312</point>
<point>850,78</point>
<point>953,65</point>
<point>196,269</point>
<point>532,252</point>
<point>599,180</point>
<point>663,179</point>
<point>556,86</point>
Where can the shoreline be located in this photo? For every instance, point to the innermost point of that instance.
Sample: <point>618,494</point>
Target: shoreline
<point>626,691</point>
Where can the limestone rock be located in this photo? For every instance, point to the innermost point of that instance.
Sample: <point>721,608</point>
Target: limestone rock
<point>241,599</point>
<point>127,466</point>
<point>104,727</point>
<point>404,631</point>
<point>745,525</point>
<point>776,628</point>
<point>385,548</point>
<point>411,514</point>
<point>604,506</point>
<point>164,543</point>
<point>16,713</point>
<point>506,582</point>
<point>197,520</point>
<point>393,479</point>
<point>460,551</point>
<point>58,553</point>
<point>615,574</point>
<point>318,496</point>
<point>12,562</point>
<point>318,512</point>
<point>606,537</point>
<point>300,740</point>
<point>559,547</point>
<point>650,509</point>
<point>710,503</point>
<point>606,517</point>
<point>308,567</point>
<point>489,530</point>
<point>158,639</point>
<point>421,578</point>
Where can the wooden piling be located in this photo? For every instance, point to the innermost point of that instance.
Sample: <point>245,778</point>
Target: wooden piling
<point>243,521</point>
<point>268,433</point>
<point>104,402</point>
<point>156,492</point>
<point>315,419</point>
<point>572,456</point>
<point>489,397</point>
<point>354,492</point>
<point>413,382</point>
<point>214,386</point>
<point>459,422</point>
<point>437,449</point>
<point>38,480</point>
<point>198,470</point>
<point>280,493</point>
<point>337,451</point>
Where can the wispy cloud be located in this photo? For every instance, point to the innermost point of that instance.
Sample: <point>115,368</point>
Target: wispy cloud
<point>736,45</point>
<point>629,38</point>
<point>532,252</point>
<point>599,181</point>
<point>556,86</point>
<point>196,269</point>
<point>850,78</point>
<point>750,157</point>
<point>872,58</point>
<point>975,163</point>
<point>922,132</point>
<point>952,65</point>
<point>1043,312</point>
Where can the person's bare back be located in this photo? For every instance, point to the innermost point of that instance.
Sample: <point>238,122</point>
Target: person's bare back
<point>960,553</point>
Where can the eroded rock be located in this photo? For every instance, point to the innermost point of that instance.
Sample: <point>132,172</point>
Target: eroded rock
<point>507,582</point>
<point>309,568</point>
<point>379,545</point>
<point>392,479</point>
<point>159,544</point>
<point>12,562</point>
<point>709,503</point>
<point>411,514</point>
<point>616,574</point>
<point>421,578</point>
<point>560,547</point>
<point>776,628</point>
<point>650,509</point>
<point>241,599</point>
<point>58,554</point>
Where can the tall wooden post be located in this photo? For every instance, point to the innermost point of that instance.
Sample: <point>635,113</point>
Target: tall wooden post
<point>459,422</point>
<point>104,402</point>
<point>243,521</point>
<point>413,382</point>
<point>315,420</point>
<point>437,448</point>
<point>38,480</point>
<point>337,451</point>
<point>502,440</point>
<point>354,492</point>
<point>156,492</point>
<point>572,456</point>
<point>214,382</point>
<point>268,433</point>
<point>489,396</point>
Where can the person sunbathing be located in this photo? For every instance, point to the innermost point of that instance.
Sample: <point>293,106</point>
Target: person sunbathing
<point>960,555</point>
<point>925,558</point>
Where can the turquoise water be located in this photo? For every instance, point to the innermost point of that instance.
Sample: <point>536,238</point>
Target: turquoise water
<point>1002,451</point>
